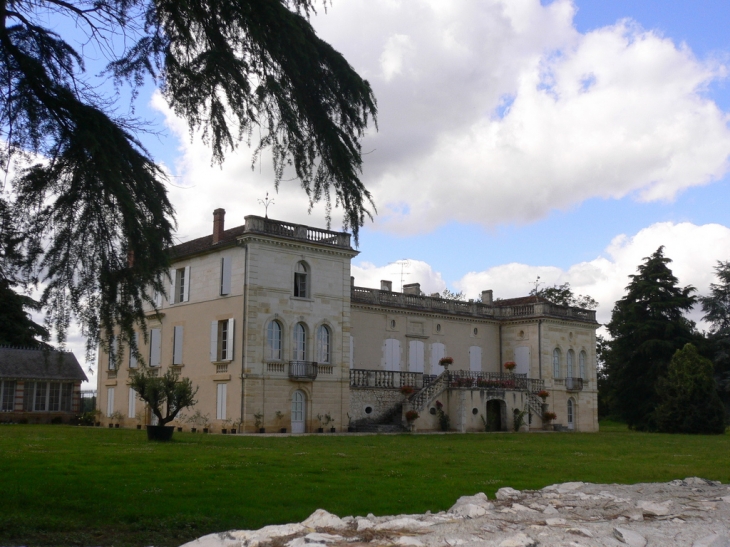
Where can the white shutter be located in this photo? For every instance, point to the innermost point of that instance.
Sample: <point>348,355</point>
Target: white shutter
<point>132,401</point>
<point>177,346</point>
<point>475,359</point>
<point>415,356</point>
<point>522,358</point>
<point>225,275</point>
<point>158,299</point>
<point>229,341</point>
<point>132,358</point>
<point>155,342</point>
<point>213,341</point>
<point>186,285</point>
<point>109,401</point>
<point>221,403</point>
<point>173,282</point>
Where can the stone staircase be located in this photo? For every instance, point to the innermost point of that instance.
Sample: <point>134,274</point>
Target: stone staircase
<point>392,422</point>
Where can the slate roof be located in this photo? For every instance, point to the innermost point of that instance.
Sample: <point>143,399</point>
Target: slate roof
<point>39,365</point>
<point>205,243</point>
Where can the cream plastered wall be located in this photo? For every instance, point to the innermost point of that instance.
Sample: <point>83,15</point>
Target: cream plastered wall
<point>371,326</point>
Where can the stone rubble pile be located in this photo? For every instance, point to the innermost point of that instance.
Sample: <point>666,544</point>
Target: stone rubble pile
<point>693,512</point>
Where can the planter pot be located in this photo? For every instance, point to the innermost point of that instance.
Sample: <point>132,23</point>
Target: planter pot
<point>205,430</point>
<point>139,426</point>
<point>233,431</point>
<point>320,430</point>
<point>159,432</point>
<point>179,429</point>
<point>333,430</point>
<point>282,430</point>
<point>262,430</point>
<point>194,430</point>
<point>224,431</point>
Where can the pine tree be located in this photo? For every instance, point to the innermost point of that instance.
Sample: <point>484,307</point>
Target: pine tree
<point>84,194</point>
<point>688,399</point>
<point>717,312</point>
<point>647,326</point>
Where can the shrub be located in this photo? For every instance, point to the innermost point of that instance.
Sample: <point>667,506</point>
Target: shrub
<point>549,416</point>
<point>168,391</point>
<point>411,416</point>
<point>407,390</point>
<point>688,399</point>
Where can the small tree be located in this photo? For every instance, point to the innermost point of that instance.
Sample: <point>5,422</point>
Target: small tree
<point>688,400</point>
<point>168,391</point>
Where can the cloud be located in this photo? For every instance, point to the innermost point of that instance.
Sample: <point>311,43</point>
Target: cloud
<point>694,251</point>
<point>409,271</point>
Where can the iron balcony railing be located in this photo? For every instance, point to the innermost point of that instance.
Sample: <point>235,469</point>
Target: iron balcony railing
<point>574,384</point>
<point>302,370</point>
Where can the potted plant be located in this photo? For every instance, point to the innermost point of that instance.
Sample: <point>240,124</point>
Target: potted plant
<point>117,417</point>
<point>444,420</point>
<point>279,418</point>
<point>97,417</point>
<point>548,417</point>
<point>226,425</point>
<point>407,390</point>
<point>543,394</point>
<point>206,423</point>
<point>259,421</point>
<point>197,419</point>
<point>139,416</point>
<point>411,416</point>
<point>237,426</point>
<point>510,366</point>
<point>168,391</point>
<point>446,362</point>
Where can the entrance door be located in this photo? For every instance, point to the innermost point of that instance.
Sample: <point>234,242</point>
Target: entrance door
<point>571,414</point>
<point>298,412</point>
<point>494,415</point>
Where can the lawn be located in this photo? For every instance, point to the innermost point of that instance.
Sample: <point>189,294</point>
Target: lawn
<point>63,485</point>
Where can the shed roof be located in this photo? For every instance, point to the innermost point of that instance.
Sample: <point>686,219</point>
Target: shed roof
<point>39,364</point>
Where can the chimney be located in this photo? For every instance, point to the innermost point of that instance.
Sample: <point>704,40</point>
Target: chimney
<point>219,216</point>
<point>386,285</point>
<point>487,297</point>
<point>412,288</point>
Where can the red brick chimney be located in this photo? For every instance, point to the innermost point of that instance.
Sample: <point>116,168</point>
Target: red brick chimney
<point>219,216</point>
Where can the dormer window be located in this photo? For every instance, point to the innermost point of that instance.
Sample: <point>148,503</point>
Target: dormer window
<point>300,280</point>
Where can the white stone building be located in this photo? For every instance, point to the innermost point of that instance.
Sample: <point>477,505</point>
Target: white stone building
<point>266,320</point>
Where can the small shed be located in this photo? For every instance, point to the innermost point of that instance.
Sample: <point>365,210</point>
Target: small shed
<point>38,385</point>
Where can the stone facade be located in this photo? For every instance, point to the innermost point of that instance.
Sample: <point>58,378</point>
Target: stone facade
<point>267,322</point>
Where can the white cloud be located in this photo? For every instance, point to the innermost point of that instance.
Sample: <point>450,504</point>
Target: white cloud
<point>407,271</point>
<point>694,251</point>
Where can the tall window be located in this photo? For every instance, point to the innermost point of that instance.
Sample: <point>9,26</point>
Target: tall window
<point>582,364</point>
<point>571,354</point>
<point>7,396</point>
<point>300,280</point>
<point>46,396</point>
<point>300,343</point>
<point>323,344</point>
<point>177,345</point>
<point>556,363</point>
<point>132,358</point>
<point>273,341</point>
<point>155,347</point>
<point>113,347</point>
<point>180,290</point>
<point>221,340</point>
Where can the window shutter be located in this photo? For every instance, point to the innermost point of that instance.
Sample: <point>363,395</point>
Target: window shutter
<point>132,400</point>
<point>221,406</point>
<point>109,401</point>
<point>155,341</point>
<point>173,282</point>
<point>186,286</point>
<point>132,358</point>
<point>229,341</point>
<point>225,275</point>
<point>177,346</point>
<point>213,341</point>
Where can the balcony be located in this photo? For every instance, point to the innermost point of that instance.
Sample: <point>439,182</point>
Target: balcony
<point>297,231</point>
<point>302,370</point>
<point>385,379</point>
<point>573,384</point>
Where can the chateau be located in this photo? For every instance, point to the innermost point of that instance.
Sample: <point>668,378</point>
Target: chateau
<point>267,322</point>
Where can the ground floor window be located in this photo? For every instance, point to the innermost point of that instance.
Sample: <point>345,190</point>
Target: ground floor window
<point>7,396</point>
<point>48,396</point>
<point>220,413</point>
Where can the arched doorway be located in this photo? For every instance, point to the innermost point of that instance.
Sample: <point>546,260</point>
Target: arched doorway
<point>495,415</point>
<point>298,412</point>
<point>571,414</point>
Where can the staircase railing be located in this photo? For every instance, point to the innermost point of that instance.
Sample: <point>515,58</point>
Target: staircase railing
<point>421,398</point>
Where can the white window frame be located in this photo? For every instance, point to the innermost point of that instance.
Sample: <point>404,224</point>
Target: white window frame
<point>132,403</point>
<point>556,363</point>
<point>324,344</point>
<point>299,347</point>
<point>155,347</point>
<point>221,400</point>
<point>178,333</point>
<point>180,285</point>
<point>221,349</point>
<point>301,280</point>
<point>274,341</point>
<point>4,389</point>
<point>109,401</point>
<point>570,361</point>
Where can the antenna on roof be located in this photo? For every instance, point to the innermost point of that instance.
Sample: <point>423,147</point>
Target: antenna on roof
<point>537,287</point>
<point>403,264</point>
<point>266,202</point>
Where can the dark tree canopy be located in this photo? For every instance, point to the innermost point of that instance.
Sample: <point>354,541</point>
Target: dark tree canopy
<point>89,202</point>
<point>562,295</point>
<point>647,327</point>
<point>717,312</point>
<point>688,399</point>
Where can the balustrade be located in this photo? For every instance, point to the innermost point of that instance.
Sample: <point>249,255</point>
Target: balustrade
<point>302,370</point>
<point>297,231</point>
<point>385,379</point>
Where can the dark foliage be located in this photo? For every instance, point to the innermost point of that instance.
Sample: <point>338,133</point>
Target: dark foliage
<point>87,210</point>
<point>562,295</point>
<point>688,399</point>
<point>647,326</point>
<point>717,312</point>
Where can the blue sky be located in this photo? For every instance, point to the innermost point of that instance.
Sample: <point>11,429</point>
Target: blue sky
<point>516,138</point>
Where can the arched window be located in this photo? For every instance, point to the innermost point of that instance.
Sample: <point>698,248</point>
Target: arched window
<point>323,344</point>
<point>556,363</point>
<point>571,354</point>
<point>273,341</point>
<point>571,414</point>
<point>582,364</point>
<point>300,280</point>
<point>300,343</point>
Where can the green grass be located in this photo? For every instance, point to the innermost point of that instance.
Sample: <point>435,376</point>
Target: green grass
<point>64,485</point>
